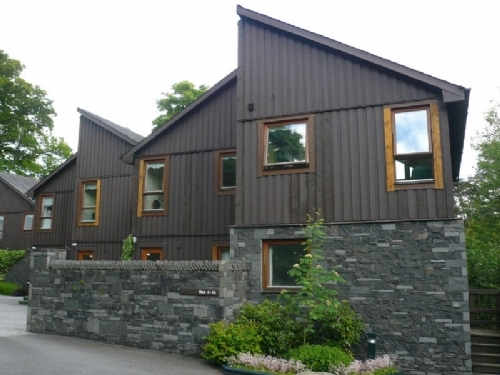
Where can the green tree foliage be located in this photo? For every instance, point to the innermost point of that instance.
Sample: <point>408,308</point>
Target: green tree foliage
<point>184,93</point>
<point>27,146</point>
<point>478,202</point>
<point>128,248</point>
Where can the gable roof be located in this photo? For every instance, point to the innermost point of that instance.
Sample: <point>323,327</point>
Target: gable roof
<point>31,191</point>
<point>19,184</point>
<point>451,92</point>
<point>124,133</point>
<point>128,157</point>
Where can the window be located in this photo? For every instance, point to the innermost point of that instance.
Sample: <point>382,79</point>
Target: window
<point>220,251</point>
<point>153,192</point>
<point>28,221</point>
<point>2,220</point>
<point>225,172</point>
<point>286,145</point>
<point>46,212</point>
<point>89,202</point>
<point>278,258</point>
<point>86,255</point>
<point>413,146</point>
<point>152,254</point>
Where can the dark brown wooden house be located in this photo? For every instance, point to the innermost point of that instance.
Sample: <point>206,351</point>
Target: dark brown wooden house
<point>85,205</point>
<point>16,212</point>
<point>185,181</point>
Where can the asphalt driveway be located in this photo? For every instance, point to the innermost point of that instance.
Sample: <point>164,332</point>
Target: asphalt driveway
<point>23,353</point>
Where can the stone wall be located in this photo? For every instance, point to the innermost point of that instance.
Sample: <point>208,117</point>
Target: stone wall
<point>141,304</point>
<point>408,280</point>
<point>19,273</point>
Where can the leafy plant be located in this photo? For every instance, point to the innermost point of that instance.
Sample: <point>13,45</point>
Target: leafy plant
<point>321,357</point>
<point>266,363</point>
<point>274,323</point>
<point>8,289</point>
<point>378,366</point>
<point>8,258</point>
<point>226,340</point>
<point>315,304</point>
<point>128,248</point>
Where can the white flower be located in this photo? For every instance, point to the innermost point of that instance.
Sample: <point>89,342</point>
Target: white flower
<point>318,267</point>
<point>296,265</point>
<point>308,256</point>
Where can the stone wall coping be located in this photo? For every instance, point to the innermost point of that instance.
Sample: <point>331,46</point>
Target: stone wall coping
<point>180,266</point>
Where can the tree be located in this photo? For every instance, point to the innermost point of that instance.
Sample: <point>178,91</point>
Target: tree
<point>184,93</point>
<point>27,146</point>
<point>478,202</point>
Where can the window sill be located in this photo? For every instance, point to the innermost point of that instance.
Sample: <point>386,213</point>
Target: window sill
<point>414,185</point>
<point>154,213</point>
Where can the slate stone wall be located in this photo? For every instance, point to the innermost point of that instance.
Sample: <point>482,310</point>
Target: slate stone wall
<point>408,280</point>
<point>133,303</point>
<point>19,273</point>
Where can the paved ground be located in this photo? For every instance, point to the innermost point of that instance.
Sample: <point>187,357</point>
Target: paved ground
<point>23,353</point>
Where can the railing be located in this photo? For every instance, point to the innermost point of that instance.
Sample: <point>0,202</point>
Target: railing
<point>484,308</point>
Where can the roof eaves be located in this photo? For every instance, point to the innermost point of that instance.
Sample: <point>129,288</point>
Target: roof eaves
<point>112,127</point>
<point>128,157</point>
<point>401,69</point>
<point>20,193</point>
<point>31,192</point>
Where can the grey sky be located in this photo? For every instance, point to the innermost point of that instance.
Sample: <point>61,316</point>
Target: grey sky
<point>114,58</point>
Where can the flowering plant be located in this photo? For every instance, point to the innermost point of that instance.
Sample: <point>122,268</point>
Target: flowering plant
<point>380,365</point>
<point>266,363</point>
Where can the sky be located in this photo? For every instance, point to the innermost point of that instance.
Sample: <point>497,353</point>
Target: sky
<point>115,58</point>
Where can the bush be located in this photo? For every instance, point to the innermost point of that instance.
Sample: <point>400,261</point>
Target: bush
<point>320,357</point>
<point>226,340</point>
<point>128,248</point>
<point>8,289</point>
<point>342,330</point>
<point>275,325</point>
<point>8,258</point>
<point>266,363</point>
<point>378,366</point>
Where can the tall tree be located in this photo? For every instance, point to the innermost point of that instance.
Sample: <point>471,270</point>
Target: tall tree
<point>27,146</point>
<point>478,201</point>
<point>184,93</point>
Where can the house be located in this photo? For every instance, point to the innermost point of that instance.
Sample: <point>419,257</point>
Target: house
<point>304,124</point>
<point>85,204</point>
<point>16,211</point>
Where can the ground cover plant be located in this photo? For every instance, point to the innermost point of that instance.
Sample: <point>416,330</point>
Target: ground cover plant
<point>378,366</point>
<point>8,289</point>
<point>7,260</point>
<point>266,363</point>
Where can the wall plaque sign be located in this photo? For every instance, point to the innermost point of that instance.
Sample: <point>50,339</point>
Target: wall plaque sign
<point>199,292</point>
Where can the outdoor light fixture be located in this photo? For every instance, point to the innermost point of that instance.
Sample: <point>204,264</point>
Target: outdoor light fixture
<point>371,346</point>
<point>33,247</point>
<point>74,244</point>
<point>134,239</point>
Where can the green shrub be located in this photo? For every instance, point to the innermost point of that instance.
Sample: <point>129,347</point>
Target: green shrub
<point>275,325</point>
<point>341,330</point>
<point>128,248</point>
<point>320,357</point>
<point>8,258</point>
<point>386,371</point>
<point>226,340</point>
<point>8,289</point>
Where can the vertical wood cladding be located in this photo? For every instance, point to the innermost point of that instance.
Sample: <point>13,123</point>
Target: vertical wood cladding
<point>13,207</point>
<point>62,185</point>
<point>194,214</point>
<point>283,76</point>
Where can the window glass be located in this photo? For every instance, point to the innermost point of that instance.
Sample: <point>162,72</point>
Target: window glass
<point>153,202</point>
<point>286,143</point>
<point>154,176</point>
<point>28,222</point>
<point>86,255</point>
<point>228,171</point>
<point>414,169</point>
<point>1,226</point>
<point>46,212</point>
<point>412,132</point>
<point>153,254</point>
<point>282,257</point>
<point>89,201</point>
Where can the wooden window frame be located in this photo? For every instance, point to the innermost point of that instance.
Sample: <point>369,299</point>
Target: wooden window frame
<point>265,264</point>
<point>85,252</point>
<point>32,222</point>
<point>81,186</point>
<point>3,226</point>
<point>155,250</point>
<point>434,129</point>
<point>309,166</point>
<point>142,169</point>
<point>218,170</point>
<point>217,249</point>
<point>40,217</point>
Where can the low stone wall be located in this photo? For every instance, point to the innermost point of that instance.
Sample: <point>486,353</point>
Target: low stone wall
<point>19,273</point>
<point>154,305</point>
<point>408,280</point>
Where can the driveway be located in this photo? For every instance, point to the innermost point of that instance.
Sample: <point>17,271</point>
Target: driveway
<point>23,353</point>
